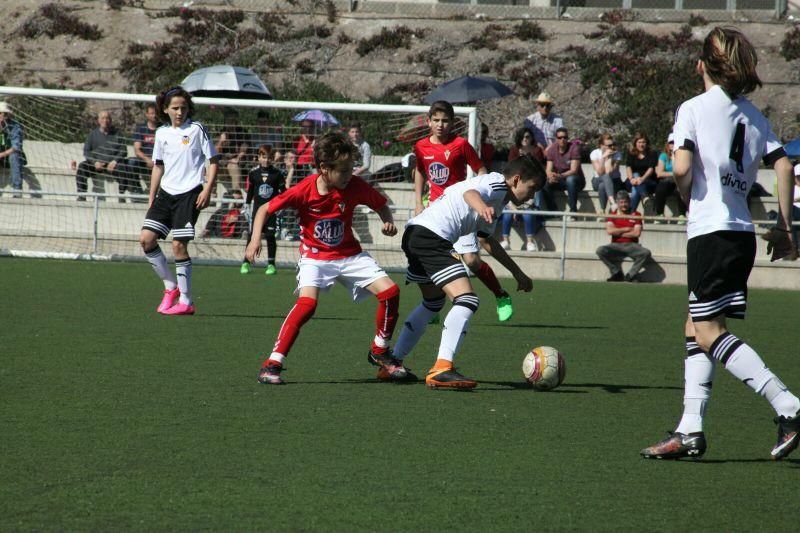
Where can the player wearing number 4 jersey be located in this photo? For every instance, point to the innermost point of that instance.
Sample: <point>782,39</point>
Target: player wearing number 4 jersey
<point>720,138</point>
<point>469,207</point>
<point>329,252</point>
<point>177,194</point>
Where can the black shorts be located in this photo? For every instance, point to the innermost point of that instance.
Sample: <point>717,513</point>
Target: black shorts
<point>718,265</point>
<point>173,212</point>
<point>429,258</point>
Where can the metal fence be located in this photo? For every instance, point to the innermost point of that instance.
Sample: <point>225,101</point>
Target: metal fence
<point>661,10</point>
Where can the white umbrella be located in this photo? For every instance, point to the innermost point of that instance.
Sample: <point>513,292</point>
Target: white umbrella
<point>226,81</point>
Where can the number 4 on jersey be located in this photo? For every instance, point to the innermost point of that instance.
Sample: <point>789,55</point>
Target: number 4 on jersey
<point>737,147</point>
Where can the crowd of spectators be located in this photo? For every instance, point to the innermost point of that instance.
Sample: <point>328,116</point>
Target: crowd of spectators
<point>636,169</point>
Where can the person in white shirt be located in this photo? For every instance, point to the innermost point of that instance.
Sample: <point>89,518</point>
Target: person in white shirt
<point>607,180</point>
<point>177,194</point>
<point>720,138</point>
<point>465,208</point>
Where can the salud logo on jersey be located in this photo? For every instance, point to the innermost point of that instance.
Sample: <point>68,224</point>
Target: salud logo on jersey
<point>438,173</point>
<point>329,231</point>
<point>265,190</point>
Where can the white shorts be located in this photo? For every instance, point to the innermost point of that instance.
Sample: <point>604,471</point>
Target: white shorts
<point>356,273</point>
<point>466,244</point>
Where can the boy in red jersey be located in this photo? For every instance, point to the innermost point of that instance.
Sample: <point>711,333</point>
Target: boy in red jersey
<point>329,252</point>
<point>442,160</point>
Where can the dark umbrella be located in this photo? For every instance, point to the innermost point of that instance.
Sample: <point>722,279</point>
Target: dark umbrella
<point>468,89</point>
<point>793,148</point>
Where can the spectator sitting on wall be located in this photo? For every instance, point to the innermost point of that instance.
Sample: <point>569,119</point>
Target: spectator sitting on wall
<point>232,146</point>
<point>141,165</point>
<point>362,164</point>
<point>641,169</point>
<point>543,122</point>
<point>12,158</point>
<point>227,222</point>
<point>105,154</point>
<point>625,233</point>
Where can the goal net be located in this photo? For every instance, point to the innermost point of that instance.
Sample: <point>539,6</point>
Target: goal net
<point>56,215</point>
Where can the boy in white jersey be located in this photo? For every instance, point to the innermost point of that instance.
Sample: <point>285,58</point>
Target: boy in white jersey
<point>177,195</point>
<point>720,138</point>
<point>465,208</point>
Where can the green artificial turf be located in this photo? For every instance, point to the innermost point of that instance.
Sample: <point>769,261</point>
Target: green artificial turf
<point>117,418</point>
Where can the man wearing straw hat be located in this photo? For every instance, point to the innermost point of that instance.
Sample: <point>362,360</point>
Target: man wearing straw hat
<point>544,123</point>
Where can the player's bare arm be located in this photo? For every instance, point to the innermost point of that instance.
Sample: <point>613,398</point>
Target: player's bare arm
<point>254,246</point>
<point>476,203</point>
<point>490,244</point>
<point>419,185</point>
<point>205,196</point>
<point>682,170</point>
<point>385,213</point>
<point>779,238</point>
<point>155,181</point>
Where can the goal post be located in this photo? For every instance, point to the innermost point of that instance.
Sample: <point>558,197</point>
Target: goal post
<point>49,221</point>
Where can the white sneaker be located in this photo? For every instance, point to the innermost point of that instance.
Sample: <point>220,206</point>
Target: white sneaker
<point>504,244</point>
<point>531,247</point>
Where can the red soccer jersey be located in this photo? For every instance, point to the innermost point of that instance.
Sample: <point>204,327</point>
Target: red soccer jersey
<point>445,164</point>
<point>625,223</point>
<point>326,221</point>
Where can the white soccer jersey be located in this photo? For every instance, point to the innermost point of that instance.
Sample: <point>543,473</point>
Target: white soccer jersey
<point>728,138</point>
<point>450,217</point>
<point>184,151</point>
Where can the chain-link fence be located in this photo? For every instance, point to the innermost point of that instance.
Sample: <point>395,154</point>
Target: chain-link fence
<point>644,10</point>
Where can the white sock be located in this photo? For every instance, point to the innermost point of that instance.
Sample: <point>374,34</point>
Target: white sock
<point>183,269</point>
<point>748,367</point>
<point>699,376</point>
<point>158,261</point>
<point>455,324</point>
<point>277,357</point>
<point>415,325</point>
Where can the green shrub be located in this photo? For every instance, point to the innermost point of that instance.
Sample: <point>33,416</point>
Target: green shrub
<point>391,38</point>
<point>790,45</point>
<point>54,19</point>
<point>644,78</point>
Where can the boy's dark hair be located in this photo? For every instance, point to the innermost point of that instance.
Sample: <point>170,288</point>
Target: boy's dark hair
<point>442,106</point>
<point>332,147</point>
<point>151,105</point>
<point>563,130</point>
<point>528,168</point>
<point>356,125</point>
<point>265,149</point>
<point>730,60</point>
<point>165,97</point>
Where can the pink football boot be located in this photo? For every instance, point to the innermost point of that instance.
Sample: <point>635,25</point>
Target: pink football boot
<point>168,300</point>
<point>180,309</point>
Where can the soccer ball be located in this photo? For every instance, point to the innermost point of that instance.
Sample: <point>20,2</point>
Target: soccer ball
<point>544,368</point>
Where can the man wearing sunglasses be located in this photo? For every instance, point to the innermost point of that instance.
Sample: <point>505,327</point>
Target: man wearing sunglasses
<point>543,123</point>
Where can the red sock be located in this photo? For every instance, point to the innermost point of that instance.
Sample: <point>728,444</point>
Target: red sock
<point>386,316</point>
<point>486,275</point>
<point>303,309</point>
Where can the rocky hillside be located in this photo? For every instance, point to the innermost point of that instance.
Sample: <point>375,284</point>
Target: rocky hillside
<point>605,75</point>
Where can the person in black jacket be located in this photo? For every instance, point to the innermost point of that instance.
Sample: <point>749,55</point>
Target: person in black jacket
<point>264,182</point>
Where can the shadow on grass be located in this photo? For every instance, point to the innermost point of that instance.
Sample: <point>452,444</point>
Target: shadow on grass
<point>545,326</point>
<point>279,317</point>
<point>794,462</point>
<point>569,388</point>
